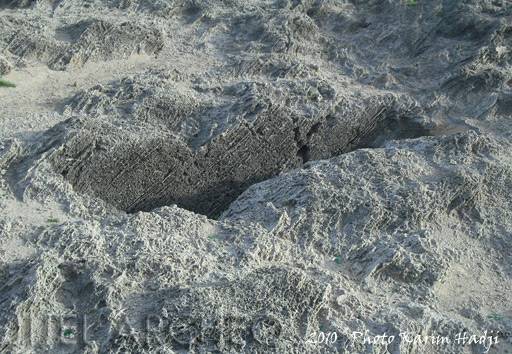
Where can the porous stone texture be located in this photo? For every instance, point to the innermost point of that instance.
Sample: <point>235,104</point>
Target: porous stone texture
<point>5,66</point>
<point>77,43</point>
<point>201,150</point>
<point>385,240</point>
<point>288,83</point>
<point>249,176</point>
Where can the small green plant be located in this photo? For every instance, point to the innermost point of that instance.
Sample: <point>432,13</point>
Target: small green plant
<point>52,220</point>
<point>5,83</point>
<point>68,333</point>
<point>411,2</point>
<point>337,260</point>
<point>495,317</point>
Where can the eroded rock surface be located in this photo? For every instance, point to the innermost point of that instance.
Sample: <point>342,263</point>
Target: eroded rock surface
<point>250,174</point>
<point>264,107</point>
<point>201,150</point>
<point>389,234</point>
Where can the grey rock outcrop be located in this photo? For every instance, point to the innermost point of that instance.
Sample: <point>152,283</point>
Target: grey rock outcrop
<point>201,152</point>
<point>249,176</point>
<point>376,233</point>
<point>5,66</point>
<point>75,44</point>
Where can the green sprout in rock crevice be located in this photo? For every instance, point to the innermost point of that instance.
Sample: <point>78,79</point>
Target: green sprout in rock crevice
<point>5,83</point>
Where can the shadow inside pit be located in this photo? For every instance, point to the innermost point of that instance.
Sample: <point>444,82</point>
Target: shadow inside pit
<point>217,198</point>
<point>397,128</point>
<point>211,202</point>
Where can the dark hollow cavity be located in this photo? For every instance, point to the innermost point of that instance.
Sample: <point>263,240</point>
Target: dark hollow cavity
<point>141,175</point>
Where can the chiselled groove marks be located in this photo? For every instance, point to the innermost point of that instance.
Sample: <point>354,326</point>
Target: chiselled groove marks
<point>133,165</point>
<point>209,179</point>
<point>156,189</point>
<point>269,129</point>
<point>18,161</point>
<point>76,44</point>
<point>102,40</point>
<point>10,154</point>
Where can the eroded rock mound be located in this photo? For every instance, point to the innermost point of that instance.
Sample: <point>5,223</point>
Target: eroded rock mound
<point>74,45</point>
<point>99,40</point>
<point>355,154</point>
<point>200,150</point>
<point>373,234</point>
